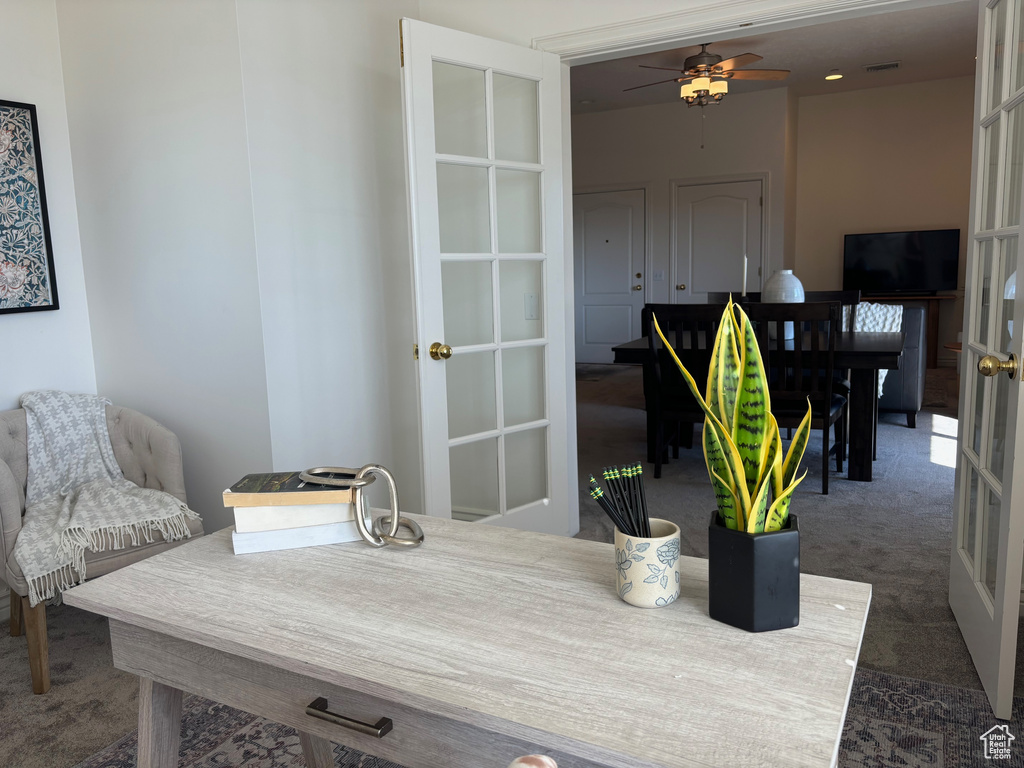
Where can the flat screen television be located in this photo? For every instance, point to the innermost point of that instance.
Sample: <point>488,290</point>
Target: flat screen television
<point>911,263</point>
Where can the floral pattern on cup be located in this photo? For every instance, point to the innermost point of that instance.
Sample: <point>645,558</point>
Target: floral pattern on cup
<point>647,569</point>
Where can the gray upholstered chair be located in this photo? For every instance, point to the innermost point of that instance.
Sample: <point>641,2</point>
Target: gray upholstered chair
<point>903,391</point>
<point>149,455</point>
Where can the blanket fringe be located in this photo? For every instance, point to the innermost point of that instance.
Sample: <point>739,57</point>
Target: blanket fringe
<point>76,540</point>
<point>50,585</point>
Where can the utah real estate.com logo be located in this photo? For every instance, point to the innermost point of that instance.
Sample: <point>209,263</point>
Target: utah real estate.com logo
<point>997,742</point>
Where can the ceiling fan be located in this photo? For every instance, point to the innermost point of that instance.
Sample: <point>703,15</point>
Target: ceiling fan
<point>705,75</point>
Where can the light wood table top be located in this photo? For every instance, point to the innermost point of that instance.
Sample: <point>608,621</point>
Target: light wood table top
<point>520,634</point>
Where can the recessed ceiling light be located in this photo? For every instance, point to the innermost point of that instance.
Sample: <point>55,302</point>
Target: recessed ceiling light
<point>834,74</point>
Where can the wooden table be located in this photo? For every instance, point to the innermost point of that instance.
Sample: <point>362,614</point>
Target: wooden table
<point>482,645</point>
<point>864,354</point>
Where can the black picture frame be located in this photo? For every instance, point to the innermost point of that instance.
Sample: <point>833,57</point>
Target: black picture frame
<point>28,281</point>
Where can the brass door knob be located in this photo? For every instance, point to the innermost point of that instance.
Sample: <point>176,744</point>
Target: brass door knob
<point>681,287</point>
<point>990,365</point>
<point>439,351</point>
<point>638,287</point>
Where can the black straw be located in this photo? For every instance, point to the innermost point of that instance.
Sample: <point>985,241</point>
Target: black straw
<point>625,501</point>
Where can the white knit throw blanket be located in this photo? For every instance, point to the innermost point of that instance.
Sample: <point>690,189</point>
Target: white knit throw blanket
<point>879,318</point>
<point>77,496</point>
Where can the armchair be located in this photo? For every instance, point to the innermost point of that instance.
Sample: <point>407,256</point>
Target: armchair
<point>149,456</point>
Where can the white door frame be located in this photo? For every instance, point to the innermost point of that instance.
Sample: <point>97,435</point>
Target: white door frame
<point>648,188</point>
<point>698,181</point>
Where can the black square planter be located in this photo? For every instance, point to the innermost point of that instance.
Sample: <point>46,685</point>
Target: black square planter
<point>754,579</point>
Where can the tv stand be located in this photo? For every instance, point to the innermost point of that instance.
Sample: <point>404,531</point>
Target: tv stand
<point>931,312</point>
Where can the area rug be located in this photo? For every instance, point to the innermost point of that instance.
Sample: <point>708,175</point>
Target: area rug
<point>892,722</point>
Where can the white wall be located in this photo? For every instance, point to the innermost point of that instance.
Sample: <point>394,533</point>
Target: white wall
<point>52,349</point>
<point>744,134</point>
<point>154,98</point>
<point>883,160</point>
<point>324,118</point>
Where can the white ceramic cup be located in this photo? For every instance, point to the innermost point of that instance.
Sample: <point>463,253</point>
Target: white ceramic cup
<point>647,569</point>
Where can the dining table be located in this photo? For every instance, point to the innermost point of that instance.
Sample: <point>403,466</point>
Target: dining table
<point>864,354</point>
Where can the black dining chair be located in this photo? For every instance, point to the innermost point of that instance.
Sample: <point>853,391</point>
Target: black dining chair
<point>721,297</point>
<point>802,367</point>
<point>672,410</point>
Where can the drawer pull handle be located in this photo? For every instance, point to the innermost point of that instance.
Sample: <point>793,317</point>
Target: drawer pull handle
<point>319,710</point>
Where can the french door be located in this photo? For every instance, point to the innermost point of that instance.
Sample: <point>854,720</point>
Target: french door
<point>484,162</point>
<point>988,547</point>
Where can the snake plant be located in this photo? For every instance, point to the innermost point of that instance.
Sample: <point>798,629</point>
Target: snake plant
<point>753,481</point>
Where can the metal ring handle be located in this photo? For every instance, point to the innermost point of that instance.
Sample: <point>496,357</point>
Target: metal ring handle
<point>401,541</point>
<point>363,524</point>
<point>316,476</point>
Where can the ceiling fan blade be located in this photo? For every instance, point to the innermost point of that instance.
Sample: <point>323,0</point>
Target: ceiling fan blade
<point>758,74</point>
<point>669,69</point>
<point>738,61</point>
<point>646,85</point>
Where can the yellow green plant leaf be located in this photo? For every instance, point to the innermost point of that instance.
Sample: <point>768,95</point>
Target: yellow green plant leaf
<point>724,370</point>
<point>721,479</point>
<point>797,447</point>
<point>779,512</point>
<point>729,452</point>
<point>753,404</point>
<point>759,508</point>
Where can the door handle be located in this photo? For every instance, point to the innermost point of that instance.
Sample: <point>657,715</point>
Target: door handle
<point>638,287</point>
<point>990,365</point>
<point>681,287</point>
<point>439,351</point>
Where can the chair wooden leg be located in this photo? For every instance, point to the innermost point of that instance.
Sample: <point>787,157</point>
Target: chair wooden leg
<point>17,625</point>
<point>912,419</point>
<point>824,457</point>
<point>38,648</point>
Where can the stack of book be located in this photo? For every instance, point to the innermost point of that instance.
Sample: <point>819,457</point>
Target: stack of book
<point>279,511</point>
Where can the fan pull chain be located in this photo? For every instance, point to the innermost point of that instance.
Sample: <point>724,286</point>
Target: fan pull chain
<point>702,116</point>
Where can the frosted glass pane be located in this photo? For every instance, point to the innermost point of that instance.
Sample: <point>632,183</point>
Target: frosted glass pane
<point>468,302</point>
<point>990,542</point>
<point>463,210</point>
<point>1015,133</point>
<point>474,476</point>
<point>460,111</point>
<point>526,467</point>
<point>521,286</point>
<point>515,119</point>
<point>1005,293</point>
<point>471,393</point>
<point>522,376</point>
<point>983,292</point>
<point>997,49</point>
<point>997,419</point>
<point>971,523</point>
<point>990,173</point>
<point>979,403</point>
<point>518,211</point>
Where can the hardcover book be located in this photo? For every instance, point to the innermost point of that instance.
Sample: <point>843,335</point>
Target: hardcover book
<point>280,517</point>
<point>270,489</point>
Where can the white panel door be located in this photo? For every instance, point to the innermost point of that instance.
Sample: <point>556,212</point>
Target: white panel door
<point>609,244</point>
<point>483,143</point>
<point>714,227</point>
<point>988,538</point>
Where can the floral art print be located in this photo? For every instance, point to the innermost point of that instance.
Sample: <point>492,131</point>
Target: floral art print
<point>27,280</point>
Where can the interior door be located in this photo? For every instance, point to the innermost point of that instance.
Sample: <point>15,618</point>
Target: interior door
<point>716,230</point>
<point>988,546</point>
<point>483,144</point>
<point>609,244</point>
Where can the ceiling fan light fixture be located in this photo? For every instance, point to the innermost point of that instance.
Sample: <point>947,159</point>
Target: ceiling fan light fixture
<point>718,88</point>
<point>687,91</point>
<point>702,83</point>
<point>834,74</point>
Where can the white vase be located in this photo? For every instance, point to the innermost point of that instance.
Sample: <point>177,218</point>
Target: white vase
<point>782,288</point>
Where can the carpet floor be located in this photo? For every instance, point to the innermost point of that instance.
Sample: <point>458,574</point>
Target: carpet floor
<point>894,532</point>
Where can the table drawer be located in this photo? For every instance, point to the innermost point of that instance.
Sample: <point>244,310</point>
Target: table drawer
<point>418,739</point>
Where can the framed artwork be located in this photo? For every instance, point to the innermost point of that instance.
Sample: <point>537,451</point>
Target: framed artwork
<point>27,279</point>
